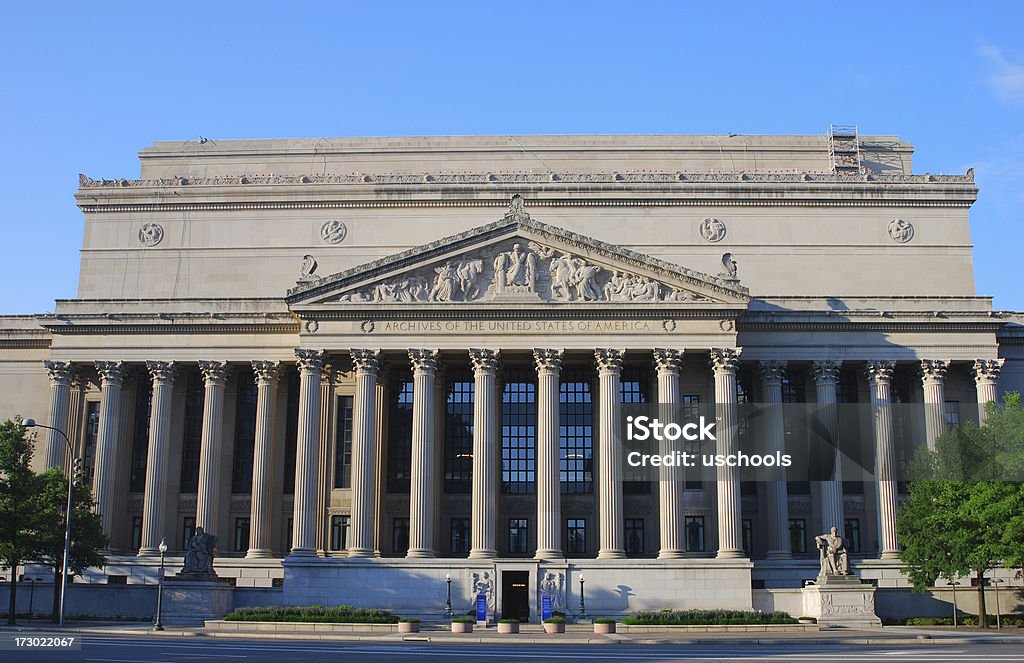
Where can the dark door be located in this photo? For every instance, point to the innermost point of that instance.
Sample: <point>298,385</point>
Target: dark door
<point>515,595</point>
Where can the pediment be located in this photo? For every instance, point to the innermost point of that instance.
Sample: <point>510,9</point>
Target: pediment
<point>520,261</point>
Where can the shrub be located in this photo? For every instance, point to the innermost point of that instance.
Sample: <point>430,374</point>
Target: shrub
<point>342,614</point>
<point>508,621</point>
<point>669,617</point>
<point>408,620</point>
<point>604,620</point>
<point>555,619</point>
<point>463,620</point>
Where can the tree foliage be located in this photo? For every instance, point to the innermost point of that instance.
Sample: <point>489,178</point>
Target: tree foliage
<point>19,505</point>
<point>965,514</point>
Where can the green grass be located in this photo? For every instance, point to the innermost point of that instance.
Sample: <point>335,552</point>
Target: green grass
<point>342,614</point>
<point>669,617</point>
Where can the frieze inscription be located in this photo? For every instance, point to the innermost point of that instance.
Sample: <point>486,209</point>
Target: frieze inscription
<point>513,326</point>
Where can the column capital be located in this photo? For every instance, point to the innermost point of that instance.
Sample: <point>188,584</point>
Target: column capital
<point>423,360</point>
<point>772,370</point>
<point>162,372</point>
<point>934,370</point>
<point>111,372</point>
<point>880,372</point>
<point>365,361</point>
<point>668,360</point>
<point>60,372</point>
<point>725,360</point>
<point>484,360</point>
<point>310,360</point>
<point>267,372</point>
<point>609,360</point>
<point>214,372</point>
<point>826,371</point>
<point>547,359</point>
<point>987,370</point>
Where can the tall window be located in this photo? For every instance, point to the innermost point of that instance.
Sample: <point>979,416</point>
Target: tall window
<point>633,388</point>
<point>794,391</point>
<point>576,433</point>
<point>458,437</point>
<point>459,536</point>
<point>691,412</point>
<point>188,530</point>
<point>518,435</point>
<point>846,393</point>
<point>797,536</point>
<point>92,433</point>
<point>339,532</point>
<point>136,532</point>
<point>140,436</point>
<point>576,536</point>
<point>952,414</point>
<point>193,433</point>
<point>635,536</point>
<point>694,533</point>
<point>241,534</point>
<point>245,434</point>
<point>291,434</point>
<point>904,382</point>
<point>748,537</point>
<point>518,535</point>
<point>851,532</point>
<point>400,436</point>
<point>400,535</point>
<point>343,442</point>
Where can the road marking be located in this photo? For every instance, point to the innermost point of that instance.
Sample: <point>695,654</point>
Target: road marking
<point>191,655</point>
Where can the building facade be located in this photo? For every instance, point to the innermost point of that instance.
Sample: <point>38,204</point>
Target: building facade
<point>369,364</point>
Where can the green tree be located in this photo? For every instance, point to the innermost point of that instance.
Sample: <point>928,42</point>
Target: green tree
<point>965,514</point>
<point>19,505</point>
<point>87,537</point>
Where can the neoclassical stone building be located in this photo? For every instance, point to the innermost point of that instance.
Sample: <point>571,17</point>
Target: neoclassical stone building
<point>366,364</point>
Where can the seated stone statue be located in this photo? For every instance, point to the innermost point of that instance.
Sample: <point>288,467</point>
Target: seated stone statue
<point>199,556</point>
<point>835,560</point>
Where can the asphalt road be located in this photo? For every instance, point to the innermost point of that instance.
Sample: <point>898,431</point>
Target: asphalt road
<point>200,650</point>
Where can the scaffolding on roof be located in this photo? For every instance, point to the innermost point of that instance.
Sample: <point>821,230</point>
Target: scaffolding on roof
<point>844,148</point>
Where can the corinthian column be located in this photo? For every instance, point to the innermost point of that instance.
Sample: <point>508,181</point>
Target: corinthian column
<point>154,508</point>
<point>609,370</point>
<point>549,510</point>
<point>421,482</point>
<point>60,373</point>
<point>107,457</point>
<point>986,375</point>
<point>670,487</point>
<point>485,489</point>
<point>826,378</point>
<point>880,379</point>
<point>364,445</point>
<point>933,378</point>
<point>209,490</point>
<point>267,375</point>
<point>311,364</point>
<point>725,361</point>
<point>776,497</point>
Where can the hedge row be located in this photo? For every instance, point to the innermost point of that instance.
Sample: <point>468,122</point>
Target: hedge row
<point>342,614</point>
<point>669,617</point>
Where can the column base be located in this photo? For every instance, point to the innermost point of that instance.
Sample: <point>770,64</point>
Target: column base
<point>548,554</point>
<point>730,554</point>
<point>482,553</point>
<point>259,553</point>
<point>611,553</point>
<point>778,554</point>
<point>302,552</point>
<point>148,552</point>
<point>889,554</point>
<point>671,554</point>
<point>360,552</point>
<point>420,553</point>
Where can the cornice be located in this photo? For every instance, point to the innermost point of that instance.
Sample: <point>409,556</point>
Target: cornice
<point>538,313</point>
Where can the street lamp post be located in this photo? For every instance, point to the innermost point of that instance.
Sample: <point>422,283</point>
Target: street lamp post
<point>31,423</point>
<point>31,594</point>
<point>448,603</point>
<point>582,614</point>
<point>159,625</point>
<point>999,622</point>
<point>954,583</point>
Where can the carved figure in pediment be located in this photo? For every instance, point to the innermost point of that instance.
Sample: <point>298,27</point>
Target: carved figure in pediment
<point>444,284</point>
<point>731,268</point>
<point>585,280</point>
<point>306,274</point>
<point>467,272</point>
<point>613,290</point>
<point>561,276</point>
<point>644,289</point>
<point>515,268</point>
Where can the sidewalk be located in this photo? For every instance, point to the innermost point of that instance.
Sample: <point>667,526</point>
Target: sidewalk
<point>574,635</point>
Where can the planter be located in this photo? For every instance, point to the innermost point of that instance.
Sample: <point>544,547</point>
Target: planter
<point>508,628</point>
<point>462,627</point>
<point>408,627</point>
<point>604,629</point>
<point>554,628</point>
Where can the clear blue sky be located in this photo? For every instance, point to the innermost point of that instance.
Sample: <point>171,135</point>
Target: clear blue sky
<point>87,85</point>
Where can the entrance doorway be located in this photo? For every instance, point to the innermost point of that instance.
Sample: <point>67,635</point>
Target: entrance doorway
<point>515,595</point>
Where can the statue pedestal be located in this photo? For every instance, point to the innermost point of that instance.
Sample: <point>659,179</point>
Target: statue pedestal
<point>191,602</point>
<point>841,601</point>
